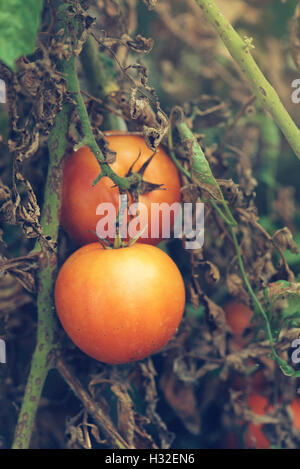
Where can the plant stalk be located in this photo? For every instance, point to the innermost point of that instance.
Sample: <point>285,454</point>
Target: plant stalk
<point>263,90</point>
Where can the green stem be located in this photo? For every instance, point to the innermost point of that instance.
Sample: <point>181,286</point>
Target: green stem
<point>287,369</point>
<point>89,139</point>
<point>173,156</point>
<point>46,348</point>
<point>100,79</point>
<point>240,51</point>
<point>228,221</point>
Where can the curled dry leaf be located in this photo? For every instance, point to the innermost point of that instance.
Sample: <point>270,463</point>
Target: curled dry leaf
<point>236,288</point>
<point>231,191</point>
<point>181,397</point>
<point>190,368</point>
<point>126,418</point>
<point>142,438</point>
<point>123,102</point>
<point>151,398</point>
<point>12,295</point>
<point>22,268</point>
<point>284,239</point>
<point>212,273</point>
<point>7,208</point>
<point>109,155</point>
<point>139,103</point>
<point>151,4</point>
<point>139,45</point>
<point>280,294</point>
<point>206,111</point>
<point>283,289</point>
<point>217,318</point>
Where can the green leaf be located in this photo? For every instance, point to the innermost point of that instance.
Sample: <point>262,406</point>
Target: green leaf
<point>19,23</point>
<point>200,165</point>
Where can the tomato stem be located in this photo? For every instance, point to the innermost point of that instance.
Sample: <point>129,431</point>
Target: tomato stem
<point>124,183</point>
<point>47,347</point>
<point>207,178</point>
<point>240,51</point>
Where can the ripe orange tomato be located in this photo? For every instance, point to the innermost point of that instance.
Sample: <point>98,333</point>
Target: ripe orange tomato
<point>254,435</point>
<point>238,319</point>
<point>119,305</point>
<point>80,198</point>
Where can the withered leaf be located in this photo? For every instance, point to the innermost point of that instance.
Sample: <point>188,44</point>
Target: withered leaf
<point>216,315</point>
<point>284,239</point>
<point>140,44</point>
<point>181,397</point>
<point>235,285</point>
<point>151,398</point>
<point>126,420</point>
<point>151,4</point>
<point>212,273</point>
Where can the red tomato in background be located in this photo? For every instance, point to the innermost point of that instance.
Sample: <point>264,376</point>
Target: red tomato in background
<point>254,382</point>
<point>238,319</point>
<point>119,305</point>
<point>295,411</point>
<point>80,198</point>
<point>254,435</point>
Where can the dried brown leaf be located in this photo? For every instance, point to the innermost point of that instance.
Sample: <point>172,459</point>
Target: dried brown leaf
<point>126,420</point>
<point>284,239</point>
<point>181,397</point>
<point>151,398</point>
<point>150,4</point>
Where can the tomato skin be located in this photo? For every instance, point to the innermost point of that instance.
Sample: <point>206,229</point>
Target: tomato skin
<point>238,319</point>
<point>295,411</point>
<point>80,199</point>
<point>119,305</point>
<point>254,435</point>
<point>255,382</point>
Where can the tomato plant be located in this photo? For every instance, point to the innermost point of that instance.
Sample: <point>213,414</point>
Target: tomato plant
<point>119,305</point>
<point>80,198</point>
<point>69,71</point>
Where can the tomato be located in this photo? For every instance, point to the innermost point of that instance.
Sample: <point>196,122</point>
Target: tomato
<point>119,305</point>
<point>80,198</point>
<point>295,411</point>
<point>254,435</point>
<point>238,319</point>
<point>254,382</point>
